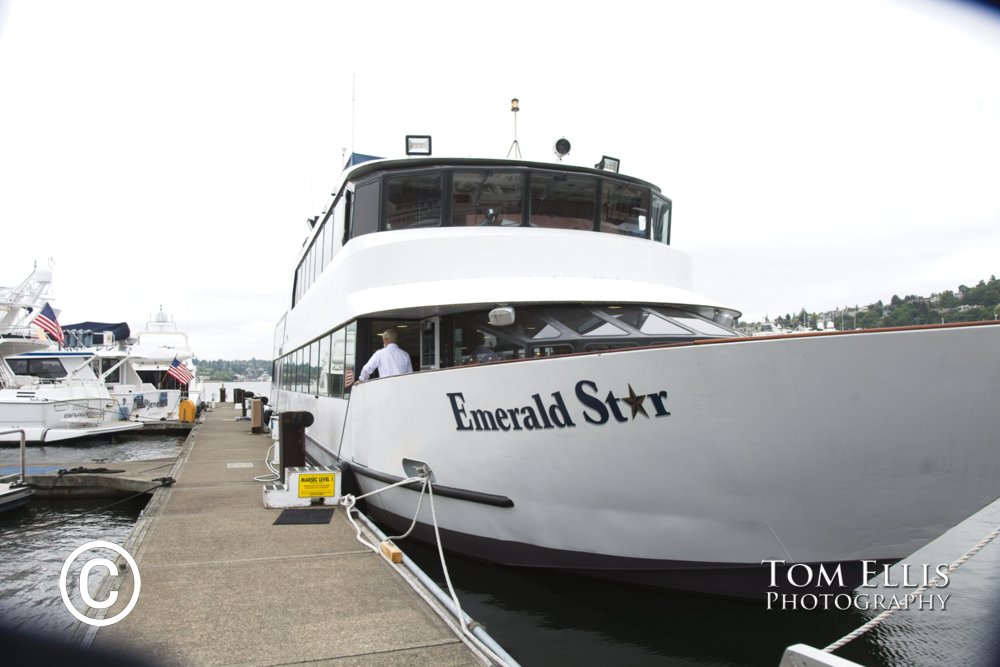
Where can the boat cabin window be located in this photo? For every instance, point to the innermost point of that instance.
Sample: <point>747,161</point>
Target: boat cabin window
<point>586,322</point>
<point>364,220</point>
<point>486,198</point>
<point>474,345</point>
<point>646,321</point>
<point>104,365</point>
<point>413,201</point>
<point>543,331</point>
<point>624,209</point>
<point>660,220</point>
<point>562,201</point>
<point>551,350</point>
<point>692,321</point>
<point>45,369</point>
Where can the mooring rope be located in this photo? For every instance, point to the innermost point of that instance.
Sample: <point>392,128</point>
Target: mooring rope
<point>933,583</point>
<point>348,501</point>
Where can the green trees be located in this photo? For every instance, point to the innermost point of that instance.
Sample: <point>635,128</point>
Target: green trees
<point>970,304</point>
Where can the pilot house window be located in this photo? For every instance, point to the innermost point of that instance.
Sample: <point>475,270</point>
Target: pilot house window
<point>413,201</point>
<point>563,202</point>
<point>624,209</point>
<point>486,198</point>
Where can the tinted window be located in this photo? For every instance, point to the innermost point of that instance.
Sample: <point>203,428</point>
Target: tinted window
<point>366,209</point>
<point>624,209</point>
<point>413,201</point>
<point>660,220</point>
<point>486,198</point>
<point>41,368</point>
<point>562,201</point>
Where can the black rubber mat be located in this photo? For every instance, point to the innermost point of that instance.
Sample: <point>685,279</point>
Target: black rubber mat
<point>307,515</point>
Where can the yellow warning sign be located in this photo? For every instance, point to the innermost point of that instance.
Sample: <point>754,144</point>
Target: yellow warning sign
<point>317,486</point>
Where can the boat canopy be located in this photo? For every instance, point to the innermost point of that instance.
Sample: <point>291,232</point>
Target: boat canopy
<point>79,332</point>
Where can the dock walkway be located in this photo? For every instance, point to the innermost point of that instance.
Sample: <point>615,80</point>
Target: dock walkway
<point>221,584</point>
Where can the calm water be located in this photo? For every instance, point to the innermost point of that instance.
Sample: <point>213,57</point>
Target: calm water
<point>553,619</point>
<point>544,618</point>
<point>32,555</point>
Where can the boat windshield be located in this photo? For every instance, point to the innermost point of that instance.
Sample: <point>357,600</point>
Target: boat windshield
<point>45,369</point>
<point>514,198</point>
<point>543,331</point>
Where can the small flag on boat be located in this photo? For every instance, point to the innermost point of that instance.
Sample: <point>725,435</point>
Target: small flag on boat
<point>180,372</point>
<point>46,319</point>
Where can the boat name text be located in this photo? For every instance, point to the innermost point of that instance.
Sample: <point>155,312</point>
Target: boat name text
<point>594,410</point>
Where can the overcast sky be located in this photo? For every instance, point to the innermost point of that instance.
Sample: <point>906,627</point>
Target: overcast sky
<point>819,154</point>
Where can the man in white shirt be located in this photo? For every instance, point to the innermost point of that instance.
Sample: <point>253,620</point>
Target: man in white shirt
<point>390,360</point>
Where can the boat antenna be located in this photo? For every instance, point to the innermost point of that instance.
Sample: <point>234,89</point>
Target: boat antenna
<point>515,147</point>
<point>353,98</point>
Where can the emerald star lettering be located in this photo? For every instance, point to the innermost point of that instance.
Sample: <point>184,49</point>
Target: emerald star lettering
<point>591,406</point>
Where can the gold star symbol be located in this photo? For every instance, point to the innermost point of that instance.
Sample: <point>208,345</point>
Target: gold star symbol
<point>634,401</point>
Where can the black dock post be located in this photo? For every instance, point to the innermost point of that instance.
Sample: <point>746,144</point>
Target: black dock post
<point>292,436</point>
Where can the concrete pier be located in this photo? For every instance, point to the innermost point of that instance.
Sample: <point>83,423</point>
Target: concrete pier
<point>222,584</point>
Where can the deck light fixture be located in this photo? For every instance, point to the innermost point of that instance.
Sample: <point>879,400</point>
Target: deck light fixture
<point>418,144</point>
<point>608,164</point>
<point>502,316</point>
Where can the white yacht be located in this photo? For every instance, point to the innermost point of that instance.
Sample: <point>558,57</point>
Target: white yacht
<point>52,394</point>
<point>115,359</point>
<point>155,349</point>
<point>623,429</point>
<point>57,396</point>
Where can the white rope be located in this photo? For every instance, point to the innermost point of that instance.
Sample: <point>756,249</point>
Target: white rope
<point>275,473</point>
<point>933,583</point>
<point>413,524</point>
<point>447,578</point>
<point>349,500</point>
<point>464,620</point>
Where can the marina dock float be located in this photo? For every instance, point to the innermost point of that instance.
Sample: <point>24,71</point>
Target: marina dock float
<point>221,583</point>
<point>99,480</point>
<point>171,425</point>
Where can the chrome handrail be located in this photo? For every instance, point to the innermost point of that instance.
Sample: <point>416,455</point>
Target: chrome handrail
<point>21,431</point>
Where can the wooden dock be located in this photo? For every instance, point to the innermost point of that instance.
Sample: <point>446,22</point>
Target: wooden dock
<point>221,583</point>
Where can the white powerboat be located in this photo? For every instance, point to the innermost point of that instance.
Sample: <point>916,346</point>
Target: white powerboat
<point>51,394</point>
<point>621,431</point>
<point>155,349</point>
<point>115,359</point>
<point>57,396</point>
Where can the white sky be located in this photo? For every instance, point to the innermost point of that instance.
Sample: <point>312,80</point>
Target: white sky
<point>818,153</point>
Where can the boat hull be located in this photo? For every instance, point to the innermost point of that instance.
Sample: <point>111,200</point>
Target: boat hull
<point>58,413</point>
<point>12,496</point>
<point>691,458</point>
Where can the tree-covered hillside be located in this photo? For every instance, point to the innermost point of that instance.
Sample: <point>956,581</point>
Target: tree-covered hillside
<point>968,304</point>
<point>233,370</point>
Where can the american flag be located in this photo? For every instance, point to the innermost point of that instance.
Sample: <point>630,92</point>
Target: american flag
<point>46,319</point>
<point>348,377</point>
<point>180,371</point>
